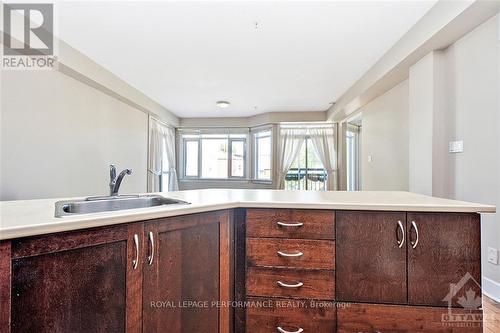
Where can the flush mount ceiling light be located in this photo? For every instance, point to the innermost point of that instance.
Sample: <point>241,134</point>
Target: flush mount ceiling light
<point>222,104</point>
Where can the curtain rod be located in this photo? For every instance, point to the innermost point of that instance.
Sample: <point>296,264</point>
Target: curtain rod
<point>161,122</point>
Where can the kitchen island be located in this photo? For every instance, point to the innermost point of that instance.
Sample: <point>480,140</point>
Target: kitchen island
<point>245,260</point>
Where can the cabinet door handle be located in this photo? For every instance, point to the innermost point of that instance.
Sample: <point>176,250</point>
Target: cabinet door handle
<point>151,248</point>
<point>282,330</point>
<point>136,260</point>
<point>284,224</point>
<point>415,243</point>
<point>286,285</point>
<point>284,254</point>
<point>402,229</point>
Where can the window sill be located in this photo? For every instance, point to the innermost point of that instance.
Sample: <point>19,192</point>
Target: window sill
<point>207,180</point>
<point>260,181</point>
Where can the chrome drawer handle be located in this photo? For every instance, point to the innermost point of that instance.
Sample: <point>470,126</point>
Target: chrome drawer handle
<point>282,330</point>
<point>415,243</point>
<point>284,224</point>
<point>402,241</point>
<point>286,285</point>
<point>136,243</point>
<point>152,251</point>
<point>284,254</point>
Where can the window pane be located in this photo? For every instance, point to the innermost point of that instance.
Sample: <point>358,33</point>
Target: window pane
<point>214,158</point>
<point>264,158</point>
<point>191,159</point>
<point>237,159</point>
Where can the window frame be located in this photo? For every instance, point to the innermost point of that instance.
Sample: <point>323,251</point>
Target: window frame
<point>184,159</point>
<point>230,158</point>
<point>230,140</point>
<point>255,155</point>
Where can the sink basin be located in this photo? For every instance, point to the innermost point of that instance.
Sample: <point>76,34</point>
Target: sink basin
<point>107,204</point>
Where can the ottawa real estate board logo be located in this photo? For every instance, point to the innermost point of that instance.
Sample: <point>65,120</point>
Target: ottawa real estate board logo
<point>28,36</point>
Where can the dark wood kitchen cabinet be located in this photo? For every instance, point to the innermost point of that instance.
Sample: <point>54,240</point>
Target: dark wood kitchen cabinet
<point>82,281</point>
<point>385,257</point>
<point>349,271</point>
<point>184,275</point>
<point>119,278</point>
<point>448,252</point>
<point>371,257</point>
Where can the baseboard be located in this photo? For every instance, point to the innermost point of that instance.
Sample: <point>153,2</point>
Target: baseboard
<point>491,289</point>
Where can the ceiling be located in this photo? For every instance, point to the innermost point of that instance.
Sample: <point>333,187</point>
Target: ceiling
<point>260,56</point>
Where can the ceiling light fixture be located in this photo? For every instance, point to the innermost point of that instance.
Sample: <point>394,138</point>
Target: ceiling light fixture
<point>222,104</point>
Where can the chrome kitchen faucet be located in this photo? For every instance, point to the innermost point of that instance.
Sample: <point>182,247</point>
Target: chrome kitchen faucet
<point>114,181</point>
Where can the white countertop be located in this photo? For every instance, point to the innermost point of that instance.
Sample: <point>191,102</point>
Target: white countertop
<point>22,218</point>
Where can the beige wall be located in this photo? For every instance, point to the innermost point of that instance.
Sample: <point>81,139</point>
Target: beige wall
<point>58,137</point>
<point>385,137</point>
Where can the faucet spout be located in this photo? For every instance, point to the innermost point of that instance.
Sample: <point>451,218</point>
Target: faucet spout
<point>116,181</point>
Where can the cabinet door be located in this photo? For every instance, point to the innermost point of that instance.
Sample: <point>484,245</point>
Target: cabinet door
<point>77,281</point>
<point>448,252</point>
<point>187,274</point>
<point>370,258</point>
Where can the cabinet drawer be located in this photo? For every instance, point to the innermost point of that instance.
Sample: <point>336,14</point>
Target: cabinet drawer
<point>356,318</point>
<point>290,315</point>
<point>284,282</point>
<point>291,253</point>
<point>290,223</point>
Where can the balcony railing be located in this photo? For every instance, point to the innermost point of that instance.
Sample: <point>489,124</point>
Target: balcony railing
<point>306,179</point>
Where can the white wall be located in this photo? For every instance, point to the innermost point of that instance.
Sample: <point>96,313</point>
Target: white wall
<point>421,99</point>
<point>58,137</point>
<point>454,95</point>
<point>385,138</point>
<point>473,83</point>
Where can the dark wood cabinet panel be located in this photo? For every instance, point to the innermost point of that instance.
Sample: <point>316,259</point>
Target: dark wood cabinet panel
<point>183,281</point>
<point>370,264</point>
<point>317,284</point>
<point>77,282</point>
<point>266,315</point>
<point>240,260</point>
<point>448,252</point>
<point>314,254</point>
<point>373,318</point>
<point>5,285</point>
<point>313,224</point>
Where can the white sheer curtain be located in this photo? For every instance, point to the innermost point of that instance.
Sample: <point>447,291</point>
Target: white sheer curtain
<point>323,140</point>
<point>291,140</point>
<point>173,184</point>
<point>161,156</point>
